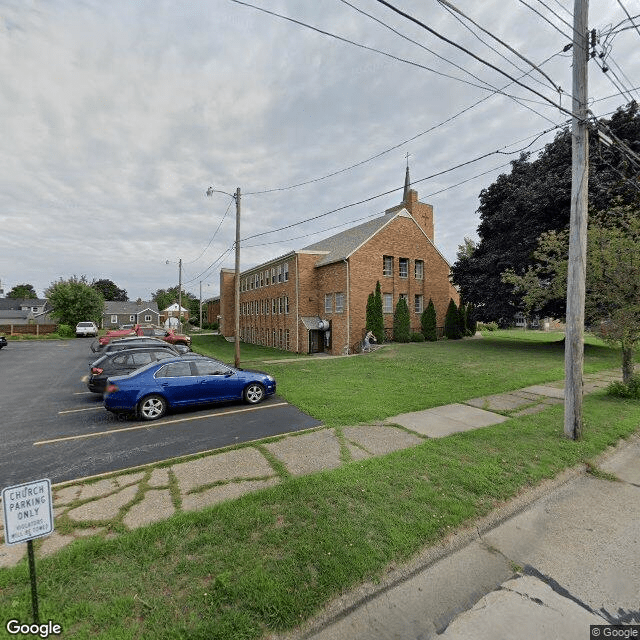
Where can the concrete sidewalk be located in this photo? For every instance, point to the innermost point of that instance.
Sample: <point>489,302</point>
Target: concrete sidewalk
<point>553,560</point>
<point>534,571</point>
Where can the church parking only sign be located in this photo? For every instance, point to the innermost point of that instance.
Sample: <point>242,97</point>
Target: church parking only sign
<point>28,511</point>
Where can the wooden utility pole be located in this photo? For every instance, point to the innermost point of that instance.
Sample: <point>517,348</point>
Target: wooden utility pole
<point>237,281</point>
<point>577,268</point>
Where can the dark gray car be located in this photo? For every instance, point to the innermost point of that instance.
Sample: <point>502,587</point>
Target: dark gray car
<point>123,361</point>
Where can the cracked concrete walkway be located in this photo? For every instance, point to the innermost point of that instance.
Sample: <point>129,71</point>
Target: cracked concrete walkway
<point>147,495</point>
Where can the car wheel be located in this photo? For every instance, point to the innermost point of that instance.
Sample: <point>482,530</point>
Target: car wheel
<point>254,393</point>
<point>152,407</point>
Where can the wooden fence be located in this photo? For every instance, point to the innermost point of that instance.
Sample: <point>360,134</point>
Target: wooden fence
<point>28,329</point>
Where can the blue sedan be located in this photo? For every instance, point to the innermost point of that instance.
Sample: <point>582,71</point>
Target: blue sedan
<point>183,381</point>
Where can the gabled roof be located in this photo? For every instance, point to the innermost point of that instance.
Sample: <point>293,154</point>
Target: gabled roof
<point>343,244</point>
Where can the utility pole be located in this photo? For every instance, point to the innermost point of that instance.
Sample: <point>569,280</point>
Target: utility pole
<point>576,274</point>
<point>236,197</point>
<point>200,305</point>
<point>180,293</point>
<point>237,282</point>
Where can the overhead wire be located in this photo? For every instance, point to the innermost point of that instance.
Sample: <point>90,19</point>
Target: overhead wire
<point>473,55</point>
<point>629,17</point>
<point>396,146</point>
<point>452,7</point>
<point>380,195</point>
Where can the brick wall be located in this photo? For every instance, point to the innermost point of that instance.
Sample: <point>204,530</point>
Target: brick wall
<point>346,283</point>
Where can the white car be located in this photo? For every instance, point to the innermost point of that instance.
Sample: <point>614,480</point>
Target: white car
<point>84,329</point>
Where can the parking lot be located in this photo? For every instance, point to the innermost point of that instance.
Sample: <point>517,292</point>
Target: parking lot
<point>53,427</point>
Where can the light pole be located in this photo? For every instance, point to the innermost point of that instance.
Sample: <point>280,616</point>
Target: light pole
<point>236,332</point>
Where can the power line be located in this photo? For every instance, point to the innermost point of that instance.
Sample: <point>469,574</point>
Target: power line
<point>214,234</point>
<point>385,193</point>
<point>568,37</point>
<point>629,16</point>
<point>473,55</point>
<point>396,146</point>
<point>451,6</point>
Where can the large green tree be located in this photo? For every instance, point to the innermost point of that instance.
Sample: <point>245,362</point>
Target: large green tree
<point>428,322</point>
<point>535,198</point>
<point>74,300</point>
<point>612,304</point>
<point>22,291</point>
<point>110,291</point>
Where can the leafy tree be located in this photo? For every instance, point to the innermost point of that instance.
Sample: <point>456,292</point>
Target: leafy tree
<point>462,320</point>
<point>110,291</point>
<point>612,303</point>
<point>402,322</point>
<point>22,291</point>
<point>452,329</point>
<point>75,300</point>
<point>428,322</point>
<point>534,198</point>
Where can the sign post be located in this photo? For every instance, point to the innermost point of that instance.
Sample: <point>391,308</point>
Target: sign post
<point>28,514</point>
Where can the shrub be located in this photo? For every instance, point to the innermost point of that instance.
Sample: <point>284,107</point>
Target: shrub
<point>626,390</point>
<point>401,322</point>
<point>487,326</point>
<point>428,322</point>
<point>65,331</point>
<point>416,337</point>
<point>452,328</point>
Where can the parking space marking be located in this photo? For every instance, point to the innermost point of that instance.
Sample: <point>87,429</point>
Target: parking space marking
<point>149,425</point>
<point>62,413</point>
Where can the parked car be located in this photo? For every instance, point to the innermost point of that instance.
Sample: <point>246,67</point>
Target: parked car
<point>168,335</point>
<point>86,329</point>
<point>3,342</point>
<point>180,382</point>
<point>122,362</point>
<point>134,341</point>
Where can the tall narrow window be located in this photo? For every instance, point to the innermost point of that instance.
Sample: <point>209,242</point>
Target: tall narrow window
<point>387,265</point>
<point>339,302</point>
<point>387,303</point>
<point>328,303</point>
<point>285,272</point>
<point>403,267</point>
<point>419,270</point>
<point>418,303</point>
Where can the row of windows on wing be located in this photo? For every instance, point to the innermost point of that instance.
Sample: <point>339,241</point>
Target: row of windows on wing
<point>403,267</point>
<point>334,302</point>
<point>277,338</point>
<point>264,278</point>
<point>265,307</point>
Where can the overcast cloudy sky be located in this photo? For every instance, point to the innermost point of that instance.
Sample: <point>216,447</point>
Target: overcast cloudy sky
<point>116,117</point>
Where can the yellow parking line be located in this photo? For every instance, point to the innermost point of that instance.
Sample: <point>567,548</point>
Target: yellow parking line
<point>149,425</point>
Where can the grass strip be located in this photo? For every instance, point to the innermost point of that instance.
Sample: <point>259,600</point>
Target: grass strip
<point>273,558</point>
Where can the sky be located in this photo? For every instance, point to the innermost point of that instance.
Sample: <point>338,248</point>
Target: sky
<point>117,116</point>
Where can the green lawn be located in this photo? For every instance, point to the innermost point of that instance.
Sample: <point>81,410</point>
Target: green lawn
<point>410,377</point>
<point>273,558</point>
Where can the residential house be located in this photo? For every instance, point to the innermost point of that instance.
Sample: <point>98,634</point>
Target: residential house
<point>314,299</point>
<point>24,311</point>
<point>119,313</point>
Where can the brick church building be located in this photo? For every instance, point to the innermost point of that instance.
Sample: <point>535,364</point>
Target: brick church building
<point>315,299</point>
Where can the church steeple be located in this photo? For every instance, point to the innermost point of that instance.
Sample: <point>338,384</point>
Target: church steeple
<point>407,183</point>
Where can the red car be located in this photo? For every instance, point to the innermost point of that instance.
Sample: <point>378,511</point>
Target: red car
<point>168,335</point>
